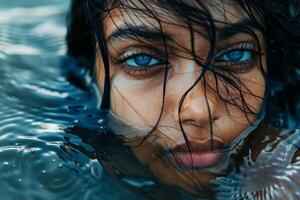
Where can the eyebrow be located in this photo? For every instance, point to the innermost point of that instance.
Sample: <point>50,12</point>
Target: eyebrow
<point>145,32</point>
<point>242,26</point>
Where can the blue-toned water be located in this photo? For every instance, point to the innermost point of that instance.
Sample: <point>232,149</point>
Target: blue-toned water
<point>37,158</point>
<point>43,113</point>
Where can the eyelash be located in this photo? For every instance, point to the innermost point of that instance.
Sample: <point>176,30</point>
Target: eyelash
<point>238,67</point>
<point>235,66</point>
<point>132,52</point>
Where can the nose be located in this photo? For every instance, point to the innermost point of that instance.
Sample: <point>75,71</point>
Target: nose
<point>200,107</point>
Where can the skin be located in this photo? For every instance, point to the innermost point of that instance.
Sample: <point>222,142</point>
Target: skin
<point>136,96</point>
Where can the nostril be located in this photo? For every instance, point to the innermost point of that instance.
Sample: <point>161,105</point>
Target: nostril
<point>193,123</point>
<point>201,123</point>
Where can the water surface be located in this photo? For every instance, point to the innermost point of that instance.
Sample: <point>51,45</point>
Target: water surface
<point>38,159</point>
<point>40,108</point>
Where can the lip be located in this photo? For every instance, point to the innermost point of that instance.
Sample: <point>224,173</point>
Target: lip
<point>201,154</point>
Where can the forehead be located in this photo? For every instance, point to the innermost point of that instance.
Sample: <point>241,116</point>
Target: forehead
<point>156,13</point>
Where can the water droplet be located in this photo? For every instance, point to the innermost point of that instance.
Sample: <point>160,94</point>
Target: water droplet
<point>137,182</point>
<point>44,171</point>
<point>297,71</point>
<point>5,163</point>
<point>279,122</point>
<point>96,169</point>
<point>76,163</point>
<point>101,121</point>
<point>76,121</point>
<point>20,180</point>
<point>60,165</point>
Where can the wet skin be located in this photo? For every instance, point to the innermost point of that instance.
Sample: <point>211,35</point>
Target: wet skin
<point>137,73</point>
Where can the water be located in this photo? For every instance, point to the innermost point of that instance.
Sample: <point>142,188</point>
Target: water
<point>47,123</point>
<point>38,160</point>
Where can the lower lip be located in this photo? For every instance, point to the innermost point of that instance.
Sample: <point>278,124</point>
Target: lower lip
<point>196,159</point>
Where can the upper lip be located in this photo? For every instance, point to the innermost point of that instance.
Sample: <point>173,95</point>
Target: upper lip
<point>199,146</point>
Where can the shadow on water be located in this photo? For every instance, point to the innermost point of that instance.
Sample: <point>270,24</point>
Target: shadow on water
<point>52,134</point>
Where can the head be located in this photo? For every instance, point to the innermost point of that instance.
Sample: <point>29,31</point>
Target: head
<point>186,79</point>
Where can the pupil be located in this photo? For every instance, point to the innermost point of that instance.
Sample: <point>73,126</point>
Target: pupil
<point>142,60</point>
<point>236,55</point>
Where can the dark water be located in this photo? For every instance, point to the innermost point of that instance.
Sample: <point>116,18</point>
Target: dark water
<point>40,158</point>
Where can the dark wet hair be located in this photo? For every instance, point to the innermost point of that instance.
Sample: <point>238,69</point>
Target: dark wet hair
<point>278,20</point>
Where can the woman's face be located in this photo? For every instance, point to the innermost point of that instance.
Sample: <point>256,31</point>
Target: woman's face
<point>147,96</point>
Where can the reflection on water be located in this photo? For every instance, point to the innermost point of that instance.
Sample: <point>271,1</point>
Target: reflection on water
<point>38,160</point>
<point>49,128</point>
<point>274,174</point>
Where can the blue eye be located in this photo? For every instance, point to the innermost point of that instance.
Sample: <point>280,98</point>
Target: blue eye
<point>237,56</point>
<point>142,61</point>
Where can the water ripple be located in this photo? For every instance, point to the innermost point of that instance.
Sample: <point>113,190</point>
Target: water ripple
<point>38,104</point>
<point>39,159</point>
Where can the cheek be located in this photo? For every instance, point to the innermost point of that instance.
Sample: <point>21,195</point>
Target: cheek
<point>238,102</point>
<point>247,99</point>
<point>137,101</point>
<point>239,117</point>
<point>254,90</point>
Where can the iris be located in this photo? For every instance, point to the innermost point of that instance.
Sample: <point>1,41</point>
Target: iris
<point>142,60</point>
<point>237,56</point>
<point>145,60</point>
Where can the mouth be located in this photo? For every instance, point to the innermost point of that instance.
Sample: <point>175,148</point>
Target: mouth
<point>200,155</point>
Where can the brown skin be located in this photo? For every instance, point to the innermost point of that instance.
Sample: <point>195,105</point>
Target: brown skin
<point>137,94</point>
